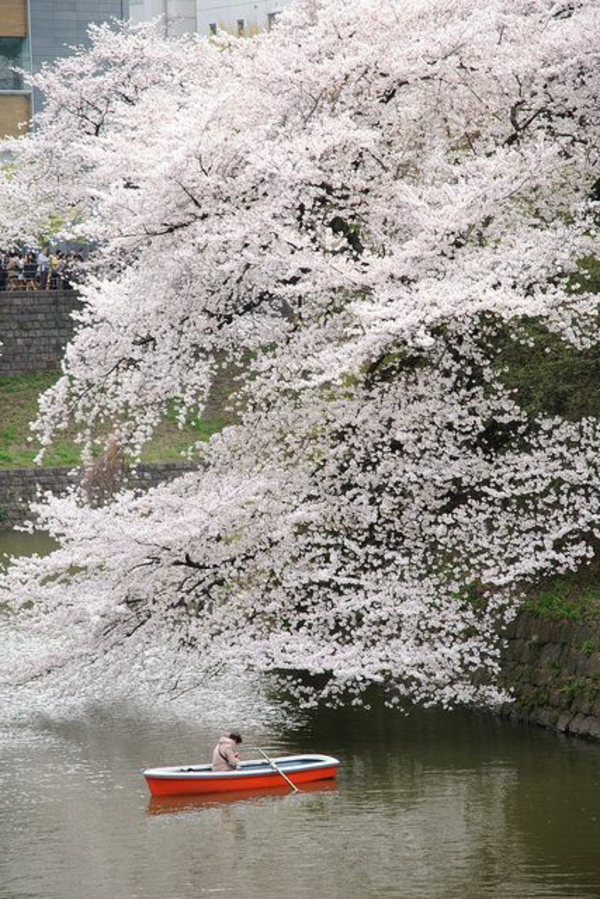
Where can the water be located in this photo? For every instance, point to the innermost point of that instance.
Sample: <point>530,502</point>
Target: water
<point>430,806</point>
<point>17,543</point>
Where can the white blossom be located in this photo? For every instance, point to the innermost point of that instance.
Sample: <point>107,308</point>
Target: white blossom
<point>352,207</point>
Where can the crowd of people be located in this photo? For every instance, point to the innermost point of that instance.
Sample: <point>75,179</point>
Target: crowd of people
<point>43,269</point>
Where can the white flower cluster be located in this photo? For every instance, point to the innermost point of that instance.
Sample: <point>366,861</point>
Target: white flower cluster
<point>356,206</point>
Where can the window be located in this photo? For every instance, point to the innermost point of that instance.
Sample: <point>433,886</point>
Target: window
<point>13,52</point>
<point>271,19</point>
<point>14,109</point>
<point>13,18</point>
<point>241,27</point>
<point>213,27</point>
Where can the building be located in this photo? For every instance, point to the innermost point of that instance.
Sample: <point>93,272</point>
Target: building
<point>33,32</point>
<point>15,50</point>
<point>206,17</point>
<point>177,16</point>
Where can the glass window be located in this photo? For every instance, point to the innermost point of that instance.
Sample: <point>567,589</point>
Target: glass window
<point>213,27</point>
<point>13,52</point>
<point>271,19</point>
<point>241,27</point>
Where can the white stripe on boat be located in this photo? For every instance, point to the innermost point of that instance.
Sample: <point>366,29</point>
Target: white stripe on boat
<point>254,767</point>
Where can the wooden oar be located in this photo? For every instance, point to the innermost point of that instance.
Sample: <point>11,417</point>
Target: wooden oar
<point>278,769</point>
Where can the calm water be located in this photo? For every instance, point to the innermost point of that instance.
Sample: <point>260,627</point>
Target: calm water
<point>426,806</point>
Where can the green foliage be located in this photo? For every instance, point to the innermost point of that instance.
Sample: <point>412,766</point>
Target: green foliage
<point>553,605</point>
<point>54,225</point>
<point>581,687</point>
<point>548,375</point>
<point>571,597</point>
<point>18,406</point>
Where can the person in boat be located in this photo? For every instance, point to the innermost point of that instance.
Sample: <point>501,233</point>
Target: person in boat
<point>225,757</point>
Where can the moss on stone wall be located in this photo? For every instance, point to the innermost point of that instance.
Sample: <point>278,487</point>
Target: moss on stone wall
<point>551,667</point>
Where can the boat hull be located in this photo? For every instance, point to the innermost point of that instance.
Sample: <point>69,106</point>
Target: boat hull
<point>251,776</point>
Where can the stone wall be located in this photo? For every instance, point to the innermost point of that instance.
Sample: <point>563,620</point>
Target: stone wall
<point>553,670</point>
<point>19,486</point>
<point>34,330</point>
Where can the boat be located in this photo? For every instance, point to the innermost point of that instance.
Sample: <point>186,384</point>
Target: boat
<point>254,774</point>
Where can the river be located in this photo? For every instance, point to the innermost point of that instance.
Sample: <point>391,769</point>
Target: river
<point>433,804</point>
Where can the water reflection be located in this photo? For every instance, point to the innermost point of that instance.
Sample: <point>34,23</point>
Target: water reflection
<point>430,806</point>
<point>173,805</point>
<point>17,543</point>
<point>433,806</point>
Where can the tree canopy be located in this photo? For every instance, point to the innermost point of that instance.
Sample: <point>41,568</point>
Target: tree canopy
<point>360,207</point>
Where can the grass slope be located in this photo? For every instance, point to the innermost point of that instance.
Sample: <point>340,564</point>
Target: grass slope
<point>18,407</point>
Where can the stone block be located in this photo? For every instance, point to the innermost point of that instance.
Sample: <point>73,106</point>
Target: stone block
<point>542,677</point>
<point>581,704</point>
<point>556,699</point>
<point>570,659</point>
<point>563,721</point>
<point>584,633</point>
<point>550,653</point>
<point>588,665</point>
<point>547,717</point>
<point>593,730</point>
<point>527,626</point>
<point>579,725</point>
<point>530,652</point>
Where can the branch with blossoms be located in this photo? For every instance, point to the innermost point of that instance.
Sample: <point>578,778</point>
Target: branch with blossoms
<point>369,227</point>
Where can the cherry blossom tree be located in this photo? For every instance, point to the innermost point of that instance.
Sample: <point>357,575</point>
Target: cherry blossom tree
<point>46,182</point>
<point>360,207</point>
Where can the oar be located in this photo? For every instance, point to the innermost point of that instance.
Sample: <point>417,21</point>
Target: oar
<point>278,769</point>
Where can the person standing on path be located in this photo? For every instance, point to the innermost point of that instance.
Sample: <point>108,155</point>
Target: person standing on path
<point>43,262</point>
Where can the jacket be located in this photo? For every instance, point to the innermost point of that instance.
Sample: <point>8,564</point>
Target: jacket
<point>225,757</point>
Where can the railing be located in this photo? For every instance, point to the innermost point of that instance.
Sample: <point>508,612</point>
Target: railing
<point>30,280</point>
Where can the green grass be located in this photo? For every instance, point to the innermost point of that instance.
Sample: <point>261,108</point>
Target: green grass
<point>581,687</point>
<point>570,597</point>
<point>18,407</point>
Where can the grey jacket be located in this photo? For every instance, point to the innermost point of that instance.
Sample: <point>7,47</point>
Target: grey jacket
<point>225,757</point>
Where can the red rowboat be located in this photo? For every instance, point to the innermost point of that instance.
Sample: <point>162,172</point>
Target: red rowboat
<point>252,775</point>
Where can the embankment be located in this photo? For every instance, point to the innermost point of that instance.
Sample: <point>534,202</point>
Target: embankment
<point>19,487</point>
<point>552,668</point>
<point>35,327</point>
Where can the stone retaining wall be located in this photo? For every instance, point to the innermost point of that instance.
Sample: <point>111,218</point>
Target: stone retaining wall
<point>19,486</point>
<point>34,330</point>
<point>553,669</point>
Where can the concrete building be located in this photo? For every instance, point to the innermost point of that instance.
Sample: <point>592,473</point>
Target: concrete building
<point>33,32</point>
<point>208,16</point>
<point>178,16</point>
